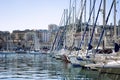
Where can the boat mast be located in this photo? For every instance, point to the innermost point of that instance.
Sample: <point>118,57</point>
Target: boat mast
<point>93,23</point>
<point>85,23</point>
<point>85,14</point>
<point>115,20</point>
<point>64,26</point>
<point>81,18</point>
<point>74,23</point>
<point>89,22</point>
<point>75,16</point>
<point>93,15</point>
<point>72,27</point>
<point>69,12</point>
<point>104,22</point>
<point>70,21</point>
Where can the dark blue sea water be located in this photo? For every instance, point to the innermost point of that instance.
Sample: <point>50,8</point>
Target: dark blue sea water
<point>43,67</point>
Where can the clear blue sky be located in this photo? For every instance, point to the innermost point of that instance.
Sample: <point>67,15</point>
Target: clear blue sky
<point>34,14</point>
<point>30,14</point>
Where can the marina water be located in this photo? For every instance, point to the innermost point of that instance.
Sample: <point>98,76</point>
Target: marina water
<point>43,67</point>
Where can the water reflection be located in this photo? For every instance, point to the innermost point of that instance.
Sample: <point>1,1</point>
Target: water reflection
<point>109,74</point>
<point>43,67</point>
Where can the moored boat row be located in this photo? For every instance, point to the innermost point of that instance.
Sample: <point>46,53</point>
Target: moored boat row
<point>77,48</point>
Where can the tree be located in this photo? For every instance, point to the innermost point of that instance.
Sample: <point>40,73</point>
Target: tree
<point>1,43</point>
<point>13,37</point>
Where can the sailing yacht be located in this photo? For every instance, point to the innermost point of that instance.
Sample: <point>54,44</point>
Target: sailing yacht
<point>36,47</point>
<point>81,58</point>
<point>111,60</point>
